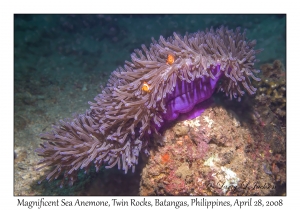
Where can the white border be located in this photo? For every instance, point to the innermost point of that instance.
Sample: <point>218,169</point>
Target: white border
<point>8,8</point>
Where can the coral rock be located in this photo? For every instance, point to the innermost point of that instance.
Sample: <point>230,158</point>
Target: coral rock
<point>216,158</point>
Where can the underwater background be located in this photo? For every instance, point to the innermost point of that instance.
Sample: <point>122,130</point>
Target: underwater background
<point>62,61</point>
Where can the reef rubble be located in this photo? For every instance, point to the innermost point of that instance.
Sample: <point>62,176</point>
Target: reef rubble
<point>218,153</point>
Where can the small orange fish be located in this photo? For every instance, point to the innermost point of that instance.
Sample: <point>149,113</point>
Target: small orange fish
<point>146,87</point>
<point>170,59</point>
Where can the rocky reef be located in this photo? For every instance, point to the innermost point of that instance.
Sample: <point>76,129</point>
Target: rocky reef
<point>272,89</point>
<point>219,153</point>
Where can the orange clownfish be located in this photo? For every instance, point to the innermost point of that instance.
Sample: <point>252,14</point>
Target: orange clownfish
<point>145,87</point>
<point>170,59</point>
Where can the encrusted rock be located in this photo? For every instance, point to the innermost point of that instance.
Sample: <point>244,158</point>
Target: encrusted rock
<point>217,155</point>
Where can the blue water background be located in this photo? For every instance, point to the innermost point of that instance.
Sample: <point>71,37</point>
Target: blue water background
<point>100,43</point>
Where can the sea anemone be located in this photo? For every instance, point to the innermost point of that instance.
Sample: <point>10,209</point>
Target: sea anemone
<point>161,82</point>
